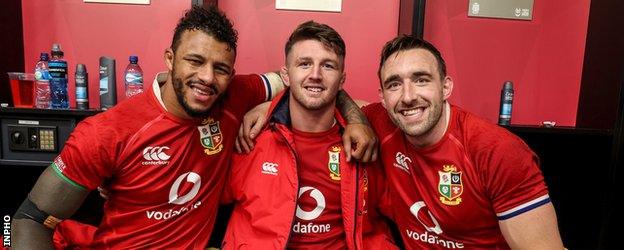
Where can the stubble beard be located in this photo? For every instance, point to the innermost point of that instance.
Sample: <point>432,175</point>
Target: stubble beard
<point>178,87</point>
<point>310,103</point>
<point>435,113</point>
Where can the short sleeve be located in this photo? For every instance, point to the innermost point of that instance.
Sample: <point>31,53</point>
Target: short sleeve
<point>85,161</point>
<point>245,92</point>
<point>512,177</point>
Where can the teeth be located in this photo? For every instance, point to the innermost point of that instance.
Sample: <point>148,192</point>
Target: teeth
<point>314,89</point>
<point>411,112</point>
<point>199,91</point>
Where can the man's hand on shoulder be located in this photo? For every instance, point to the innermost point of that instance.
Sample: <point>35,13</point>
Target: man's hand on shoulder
<point>360,142</point>
<point>252,124</point>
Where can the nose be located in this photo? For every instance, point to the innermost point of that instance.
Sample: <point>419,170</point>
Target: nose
<point>206,74</point>
<point>316,73</point>
<point>408,95</point>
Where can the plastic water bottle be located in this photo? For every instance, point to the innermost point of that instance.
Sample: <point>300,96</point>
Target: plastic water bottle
<point>506,102</point>
<point>42,82</point>
<point>58,82</point>
<point>133,77</point>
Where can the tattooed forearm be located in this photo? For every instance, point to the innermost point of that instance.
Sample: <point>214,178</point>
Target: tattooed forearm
<point>349,109</point>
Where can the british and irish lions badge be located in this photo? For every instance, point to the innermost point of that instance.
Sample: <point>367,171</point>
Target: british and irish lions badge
<point>450,185</point>
<point>334,163</point>
<point>210,136</point>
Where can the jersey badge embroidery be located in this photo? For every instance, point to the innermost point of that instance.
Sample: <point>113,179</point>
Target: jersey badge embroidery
<point>210,136</point>
<point>450,185</point>
<point>334,163</point>
<point>364,191</point>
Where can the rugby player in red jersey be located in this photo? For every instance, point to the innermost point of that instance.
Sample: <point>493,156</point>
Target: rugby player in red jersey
<point>296,189</point>
<point>455,180</point>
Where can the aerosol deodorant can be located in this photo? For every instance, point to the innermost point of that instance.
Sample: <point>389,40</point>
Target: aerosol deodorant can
<point>506,102</point>
<point>82,85</point>
<point>108,86</point>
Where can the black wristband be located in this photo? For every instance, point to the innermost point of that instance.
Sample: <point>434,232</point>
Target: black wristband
<point>29,210</point>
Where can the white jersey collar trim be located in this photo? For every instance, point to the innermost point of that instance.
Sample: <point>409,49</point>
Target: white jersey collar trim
<point>156,88</point>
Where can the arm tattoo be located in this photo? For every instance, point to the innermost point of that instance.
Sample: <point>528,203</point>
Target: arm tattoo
<point>350,110</point>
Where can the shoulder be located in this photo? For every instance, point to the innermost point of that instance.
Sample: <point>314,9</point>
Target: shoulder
<point>240,84</point>
<point>268,149</point>
<point>125,118</point>
<point>243,93</point>
<point>378,117</point>
<point>483,137</point>
<point>245,79</point>
<point>373,109</point>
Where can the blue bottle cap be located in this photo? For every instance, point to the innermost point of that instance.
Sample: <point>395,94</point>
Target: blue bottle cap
<point>134,59</point>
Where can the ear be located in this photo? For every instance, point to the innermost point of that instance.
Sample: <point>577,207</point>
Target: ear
<point>383,101</point>
<point>169,58</point>
<point>447,87</point>
<point>284,76</point>
<point>343,78</point>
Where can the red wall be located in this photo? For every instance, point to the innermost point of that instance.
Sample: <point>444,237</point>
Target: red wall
<point>364,25</point>
<point>543,57</point>
<point>87,31</point>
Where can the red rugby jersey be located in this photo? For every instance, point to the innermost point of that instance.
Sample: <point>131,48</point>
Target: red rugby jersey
<point>165,174</point>
<point>318,219</point>
<point>453,193</point>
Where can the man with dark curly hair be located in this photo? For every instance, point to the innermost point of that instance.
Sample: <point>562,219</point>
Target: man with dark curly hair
<point>163,154</point>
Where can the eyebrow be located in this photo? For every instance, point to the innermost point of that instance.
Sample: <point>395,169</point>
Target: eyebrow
<point>420,73</point>
<point>391,78</point>
<point>200,57</point>
<point>194,56</point>
<point>224,65</point>
<point>307,58</point>
<point>303,59</point>
<point>414,75</point>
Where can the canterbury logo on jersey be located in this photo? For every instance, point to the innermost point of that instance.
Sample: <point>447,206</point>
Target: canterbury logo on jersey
<point>402,161</point>
<point>269,168</point>
<point>156,155</point>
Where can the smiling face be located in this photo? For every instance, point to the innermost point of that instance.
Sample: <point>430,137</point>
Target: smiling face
<point>414,94</point>
<point>201,69</point>
<point>315,74</point>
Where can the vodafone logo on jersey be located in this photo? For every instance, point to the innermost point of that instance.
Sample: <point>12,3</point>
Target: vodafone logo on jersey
<point>176,198</point>
<point>173,192</point>
<point>269,168</point>
<point>156,155</point>
<point>433,233</point>
<point>311,227</point>
<point>320,204</point>
<point>425,218</point>
<point>402,161</point>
